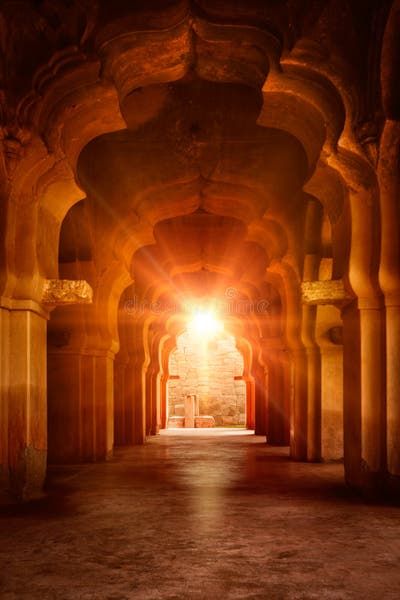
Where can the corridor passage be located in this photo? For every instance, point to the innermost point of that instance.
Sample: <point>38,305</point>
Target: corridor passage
<point>199,516</point>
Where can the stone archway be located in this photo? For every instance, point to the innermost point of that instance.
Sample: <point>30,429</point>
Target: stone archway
<point>212,371</point>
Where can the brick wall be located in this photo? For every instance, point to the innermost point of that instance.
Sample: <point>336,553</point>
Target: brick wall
<point>208,369</point>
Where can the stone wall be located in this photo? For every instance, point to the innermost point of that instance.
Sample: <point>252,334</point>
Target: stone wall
<point>208,370</point>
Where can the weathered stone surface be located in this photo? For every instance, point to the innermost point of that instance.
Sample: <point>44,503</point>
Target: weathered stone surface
<point>209,375</point>
<point>67,291</point>
<point>204,421</point>
<point>176,421</point>
<point>324,292</point>
<point>211,152</point>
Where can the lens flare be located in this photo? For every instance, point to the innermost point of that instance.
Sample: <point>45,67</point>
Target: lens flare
<point>205,324</point>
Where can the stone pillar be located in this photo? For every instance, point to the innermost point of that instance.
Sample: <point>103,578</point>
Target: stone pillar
<point>260,400</point>
<point>120,409</point>
<point>139,398</point>
<point>389,270</point>
<point>24,402</point>
<point>81,411</point>
<point>4,392</point>
<point>286,394</point>
<point>155,412</point>
<point>314,404</point>
<point>149,399</point>
<point>250,402</point>
<point>363,396</point>
<point>134,405</point>
<point>274,401</point>
<point>152,412</point>
<point>298,441</point>
<point>393,386</point>
<point>163,400</point>
<point>308,328</point>
<point>332,402</point>
<point>277,405</point>
<point>130,376</point>
<point>352,394</point>
<point>372,392</point>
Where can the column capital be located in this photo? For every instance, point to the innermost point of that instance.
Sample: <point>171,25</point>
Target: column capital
<point>24,304</point>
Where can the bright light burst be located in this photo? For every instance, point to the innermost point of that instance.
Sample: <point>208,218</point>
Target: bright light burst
<point>204,323</point>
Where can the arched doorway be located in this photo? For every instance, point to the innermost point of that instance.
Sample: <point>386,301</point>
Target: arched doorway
<point>210,371</point>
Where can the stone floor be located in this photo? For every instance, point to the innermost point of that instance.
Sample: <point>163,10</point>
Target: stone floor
<point>199,516</point>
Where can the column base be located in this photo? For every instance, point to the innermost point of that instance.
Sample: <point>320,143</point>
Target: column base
<point>375,486</point>
<point>27,478</point>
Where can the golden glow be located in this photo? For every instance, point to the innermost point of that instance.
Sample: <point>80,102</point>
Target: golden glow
<point>205,324</point>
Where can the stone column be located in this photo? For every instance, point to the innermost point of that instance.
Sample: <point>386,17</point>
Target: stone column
<point>81,409</point>
<point>130,376</point>
<point>277,404</point>
<point>363,396</point>
<point>24,402</point>
<point>352,395</point>
<point>120,409</point>
<point>80,377</point>
<point>298,441</point>
<point>4,391</point>
<point>134,406</point>
<point>250,402</point>
<point>309,315</point>
<point>151,388</point>
<point>156,404</point>
<point>372,391</point>
<point>149,399</point>
<point>286,394</point>
<point>163,400</point>
<point>139,399</point>
<point>389,270</point>
<point>260,400</point>
<point>393,385</point>
<point>331,345</point>
<point>274,399</point>
<point>314,404</point>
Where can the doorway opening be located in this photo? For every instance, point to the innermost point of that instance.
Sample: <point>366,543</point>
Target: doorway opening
<point>206,387</point>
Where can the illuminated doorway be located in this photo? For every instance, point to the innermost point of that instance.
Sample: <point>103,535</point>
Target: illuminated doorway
<point>208,369</point>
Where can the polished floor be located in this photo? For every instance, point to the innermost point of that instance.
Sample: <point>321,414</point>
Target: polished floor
<point>199,516</point>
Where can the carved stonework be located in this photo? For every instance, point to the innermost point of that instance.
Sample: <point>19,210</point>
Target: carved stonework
<point>13,141</point>
<point>67,291</point>
<point>324,292</point>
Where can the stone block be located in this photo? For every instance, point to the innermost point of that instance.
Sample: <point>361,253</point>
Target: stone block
<point>204,421</point>
<point>176,422</point>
